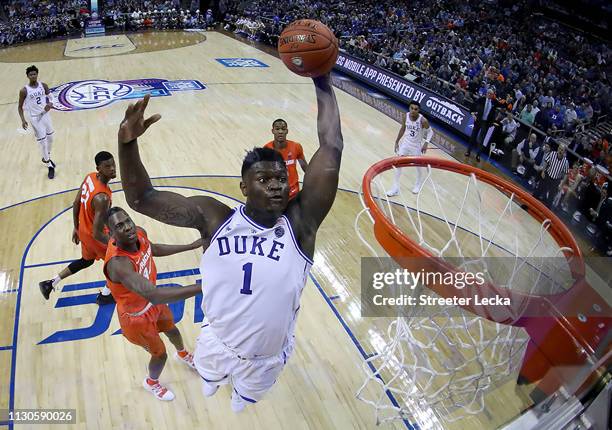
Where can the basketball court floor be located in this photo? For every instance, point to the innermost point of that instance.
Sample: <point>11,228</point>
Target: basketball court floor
<point>218,98</point>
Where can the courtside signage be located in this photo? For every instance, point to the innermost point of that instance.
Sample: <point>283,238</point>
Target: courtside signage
<point>94,94</point>
<point>433,105</point>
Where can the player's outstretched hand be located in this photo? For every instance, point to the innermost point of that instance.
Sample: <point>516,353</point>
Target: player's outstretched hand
<point>197,244</point>
<point>134,124</point>
<point>24,125</point>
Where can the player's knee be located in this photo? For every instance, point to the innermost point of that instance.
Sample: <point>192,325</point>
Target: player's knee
<point>160,355</point>
<point>79,264</point>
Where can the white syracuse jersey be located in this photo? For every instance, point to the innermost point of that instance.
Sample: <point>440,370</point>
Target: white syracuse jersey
<point>35,100</point>
<point>413,135</point>
<point>252,281</point>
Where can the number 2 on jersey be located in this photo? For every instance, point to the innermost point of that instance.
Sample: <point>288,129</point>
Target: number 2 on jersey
<point>88,187</point>
<point>246,281</point>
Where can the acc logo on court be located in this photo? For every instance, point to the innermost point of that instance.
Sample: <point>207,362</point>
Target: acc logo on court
<point>91,48</point>
<point>94,94</point>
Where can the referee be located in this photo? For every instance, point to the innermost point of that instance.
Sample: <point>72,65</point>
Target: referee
<point>555,168</point>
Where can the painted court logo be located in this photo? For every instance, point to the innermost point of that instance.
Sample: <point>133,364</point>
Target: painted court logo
<point>94,94</point>
<point>91,48</point>
<point>241,62</point>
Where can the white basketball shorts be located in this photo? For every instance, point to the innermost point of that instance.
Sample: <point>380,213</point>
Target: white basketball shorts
<point>42,126</point>
<point>250,378</point>
<point>409,148</point>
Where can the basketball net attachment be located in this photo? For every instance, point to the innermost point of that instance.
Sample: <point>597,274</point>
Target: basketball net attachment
<point>438,364</point>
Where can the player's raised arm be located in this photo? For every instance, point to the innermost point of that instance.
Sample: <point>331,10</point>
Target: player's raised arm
<point>321,179</point>
<point>200,212</point>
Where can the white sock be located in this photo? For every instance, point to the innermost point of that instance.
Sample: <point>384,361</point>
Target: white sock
<point>105,291</point>
<point>56,281</point>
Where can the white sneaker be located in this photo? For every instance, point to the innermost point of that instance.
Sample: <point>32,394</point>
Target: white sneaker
<point>238,404</point>
<point>158,390</point>
<point>416,189</point>
<point>393,192</point>
<point>209,389</point>
<point>188,359</point>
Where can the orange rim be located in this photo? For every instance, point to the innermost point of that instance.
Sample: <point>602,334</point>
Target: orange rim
<point>560,233</point>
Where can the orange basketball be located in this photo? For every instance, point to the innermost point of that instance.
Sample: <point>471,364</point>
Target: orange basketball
<point>308,48</point>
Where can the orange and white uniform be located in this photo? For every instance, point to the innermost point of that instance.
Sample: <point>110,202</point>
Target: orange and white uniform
<point>91,248</point>
<point>292,152</point>
<point>140,321</point>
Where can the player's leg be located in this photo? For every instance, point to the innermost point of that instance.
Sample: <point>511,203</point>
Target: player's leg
<point>96,250</point>
<point>142,331</point>
<point>40,132</point>
<point>397,172</point>
<point>76,266</point>
<point>252,379</point>
<point>49,132</point>
<point>213,361</point>
<point>415,151</point>
<point>165,324</point>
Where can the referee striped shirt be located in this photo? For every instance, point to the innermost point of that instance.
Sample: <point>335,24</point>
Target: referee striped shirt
<point>556,167</point>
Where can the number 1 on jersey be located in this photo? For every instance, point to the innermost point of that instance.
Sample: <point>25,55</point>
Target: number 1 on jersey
<point>246,281</point>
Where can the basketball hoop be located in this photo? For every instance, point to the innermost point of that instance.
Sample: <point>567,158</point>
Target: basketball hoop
<point>550,304</point>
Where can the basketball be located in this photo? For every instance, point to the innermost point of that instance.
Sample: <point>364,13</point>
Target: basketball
<point>308,48</point>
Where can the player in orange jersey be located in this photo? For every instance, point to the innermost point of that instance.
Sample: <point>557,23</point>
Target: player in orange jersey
<point>292,153</point>
<point>89,216</point>
<point>131,275</point>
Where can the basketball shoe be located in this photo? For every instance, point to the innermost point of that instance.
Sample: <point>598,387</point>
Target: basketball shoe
<point>158,390</point>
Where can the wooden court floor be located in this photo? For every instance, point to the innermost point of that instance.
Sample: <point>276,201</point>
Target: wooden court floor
<point>64,354</point>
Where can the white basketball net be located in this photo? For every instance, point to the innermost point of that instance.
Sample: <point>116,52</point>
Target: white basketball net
<point>440,367</point>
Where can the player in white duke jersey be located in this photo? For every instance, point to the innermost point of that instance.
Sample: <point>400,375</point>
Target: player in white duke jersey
<point>410,142</point>
<point>36,99</point>
<point>257,256</point>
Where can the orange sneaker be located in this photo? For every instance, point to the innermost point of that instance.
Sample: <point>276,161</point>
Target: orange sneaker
<point>158,390</point>
<point>187,359</point>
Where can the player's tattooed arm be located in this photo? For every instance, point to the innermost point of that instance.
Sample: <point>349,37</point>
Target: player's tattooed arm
<point>165,206</point>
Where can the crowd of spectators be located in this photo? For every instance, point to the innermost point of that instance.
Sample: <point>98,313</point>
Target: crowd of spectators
<point>25,21</point>
<point>131,15</point>
<point>460,49</point>
<point>543,75</point>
